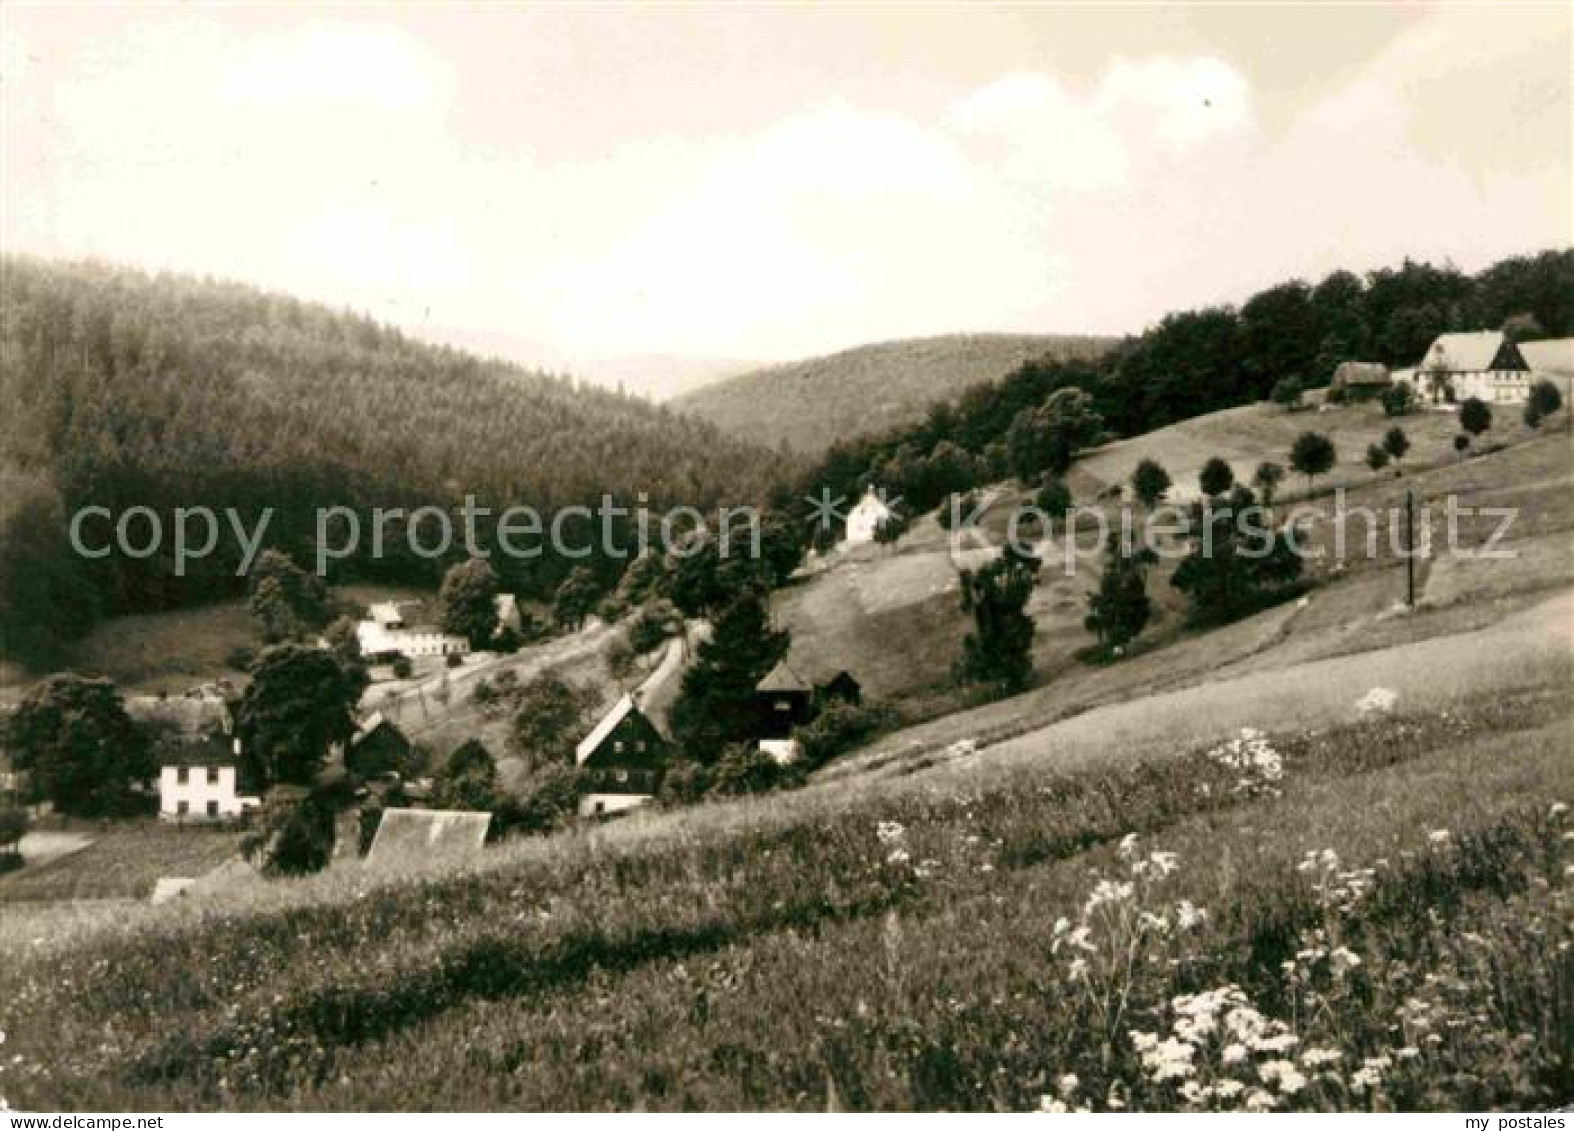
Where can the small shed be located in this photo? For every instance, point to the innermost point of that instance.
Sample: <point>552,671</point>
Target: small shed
<point>841,688</point>
<point>785,700</point>
<point>1358,380</point>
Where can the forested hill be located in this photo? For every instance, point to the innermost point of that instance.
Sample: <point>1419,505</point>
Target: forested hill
<point>809,405</point>
<point>1200,361</point>
<point>121,388</point>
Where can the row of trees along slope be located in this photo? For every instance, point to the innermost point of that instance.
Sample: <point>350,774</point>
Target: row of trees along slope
<point>1201,361</point>
<point>123,389</point>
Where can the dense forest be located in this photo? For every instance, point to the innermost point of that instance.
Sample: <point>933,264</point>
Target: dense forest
<point>125,389</point>
<point>1201,361</point>
<point>809,405</point>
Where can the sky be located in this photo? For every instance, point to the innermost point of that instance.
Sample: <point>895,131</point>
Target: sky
<point>766,183</point>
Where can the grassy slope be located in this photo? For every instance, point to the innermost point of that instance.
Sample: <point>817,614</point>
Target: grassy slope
<point>890,614</point>
<point>810,404</point>
<point>123,863</point>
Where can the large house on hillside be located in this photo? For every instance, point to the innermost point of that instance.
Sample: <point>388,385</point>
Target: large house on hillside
<point>1483,364</point>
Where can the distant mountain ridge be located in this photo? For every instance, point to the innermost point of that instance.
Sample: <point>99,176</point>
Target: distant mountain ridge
<point>653,376</point>
<point>809,405</point>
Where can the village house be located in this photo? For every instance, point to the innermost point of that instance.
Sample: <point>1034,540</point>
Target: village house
<point>865,518</point>
<point>622,760</point>
<point>377,747</point>
<point>1359,380</point>
<point>403,628</point>
<point>1483,364</point>
<point>198,780</point>
<point>407,628</point>
<point>198,754</point>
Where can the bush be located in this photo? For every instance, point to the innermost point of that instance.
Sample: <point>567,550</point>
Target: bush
<point>454,660</point>
<point>13,827</point>
<point>402,667</point>
<point>1399,399</point>
<point>299,839</point>
<point>240,658</point>
<point>684,783</point>
<point>841,727</point>
<point>550,802</point>
<point>745,768</point>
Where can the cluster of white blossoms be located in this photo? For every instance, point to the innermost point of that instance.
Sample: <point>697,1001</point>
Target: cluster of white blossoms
<point>1257,766</point>
<point>1378,701</point>
<point>892,836</point>
<point>1338,888</point>
<point>1222,1053</point>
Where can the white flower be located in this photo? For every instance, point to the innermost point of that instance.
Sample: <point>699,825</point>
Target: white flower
<point>1558,809</point>
<point>1067,1085</point>
<point>1379,700</point>
<point>1317,1057</point>
<point>1438,836</point>
<point>889,831</point>
<point>1234,1053</point>
<point>1284,1074</point>
<point>1189,915</point>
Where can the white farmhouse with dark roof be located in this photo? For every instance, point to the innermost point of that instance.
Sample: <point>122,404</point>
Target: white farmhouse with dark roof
<point>1483,364</point>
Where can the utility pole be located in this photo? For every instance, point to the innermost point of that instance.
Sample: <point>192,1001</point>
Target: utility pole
<point>1410,548</point>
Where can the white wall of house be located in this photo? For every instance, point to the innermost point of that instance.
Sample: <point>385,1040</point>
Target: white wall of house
<point>600,804</point>
<point>200,793</point>
<point>862,520</point>
<point>412,642</point>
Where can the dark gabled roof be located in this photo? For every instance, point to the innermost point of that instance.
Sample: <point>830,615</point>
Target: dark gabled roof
<point>205,750</point>
<point>782,678</point>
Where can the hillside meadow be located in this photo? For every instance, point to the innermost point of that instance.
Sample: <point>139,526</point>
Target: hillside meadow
<point>1375,911</point>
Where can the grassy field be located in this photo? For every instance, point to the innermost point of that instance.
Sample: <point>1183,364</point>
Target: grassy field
<point>168,652</point>
<point>958,947</point>
<point>123,861</point>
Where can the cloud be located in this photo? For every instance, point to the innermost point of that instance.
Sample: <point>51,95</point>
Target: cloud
<point>332,159</point>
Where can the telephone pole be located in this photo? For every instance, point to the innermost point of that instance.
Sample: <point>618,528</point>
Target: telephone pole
<point>1410,548</point>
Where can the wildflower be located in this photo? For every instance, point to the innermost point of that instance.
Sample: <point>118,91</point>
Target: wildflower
<point>1557,810</point>
<point>1378,701</point>
<point>1438,836</point>
<point>1189,915</point>
<point>1128,846</point>
<point>898,858</point>
<point>1234,1053</point>
<point>889,831</point>
<point>1067,1085</point>
<point>1284,1074</point>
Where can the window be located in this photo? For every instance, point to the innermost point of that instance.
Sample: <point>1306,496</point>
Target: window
<point>617,747</point>
<point>182,808</point>
<point>213,808</point>
<point>621,777</point>
<point>183,775</point>
<point>213,775</point>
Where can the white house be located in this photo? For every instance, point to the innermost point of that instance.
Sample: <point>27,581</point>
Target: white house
<point>197,781</point>
<point>405,627</point>
<point>865,518</point>
<point>400,627</point>
<point>1482,364</point>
